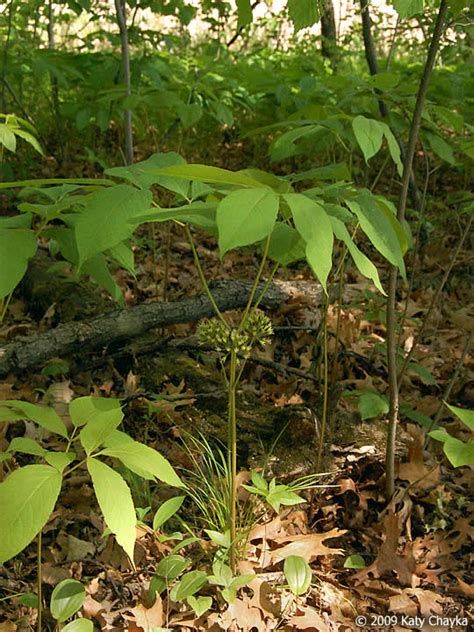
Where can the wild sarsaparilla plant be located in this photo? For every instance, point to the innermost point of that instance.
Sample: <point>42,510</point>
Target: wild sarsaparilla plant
<point>245,208</point>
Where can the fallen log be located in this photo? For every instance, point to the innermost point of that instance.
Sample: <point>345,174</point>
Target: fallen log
<point>26,352</point>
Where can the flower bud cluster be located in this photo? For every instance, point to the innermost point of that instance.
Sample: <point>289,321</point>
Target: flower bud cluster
<point>257,330</point>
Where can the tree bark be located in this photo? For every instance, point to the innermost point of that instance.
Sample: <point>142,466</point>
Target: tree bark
<point>122,24</point>
<point>328,33</point>
<point>392,336</point>
<point>122,325</point>
<point>371,57</point>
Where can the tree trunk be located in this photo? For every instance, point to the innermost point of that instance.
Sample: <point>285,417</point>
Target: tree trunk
<point>328,33</point>
<point>120,9</point>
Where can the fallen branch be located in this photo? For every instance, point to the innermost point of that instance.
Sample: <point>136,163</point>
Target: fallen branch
<point>26,352</point>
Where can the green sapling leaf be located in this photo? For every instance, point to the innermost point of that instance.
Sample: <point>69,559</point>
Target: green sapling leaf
<point>66,599</point>
<point>27,498</point>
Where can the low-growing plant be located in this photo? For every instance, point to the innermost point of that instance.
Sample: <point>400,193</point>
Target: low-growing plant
<point>457,452</point>
<point>68,598</point>
<point>29,493</point>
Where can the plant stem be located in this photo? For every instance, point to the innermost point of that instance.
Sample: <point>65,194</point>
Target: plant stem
<point>39,589</point>
<point>202,276</point>
<point>402,203</point>
<point>260,297</point>
<point>325,390</point>
<point>232,458</point>
<point>4,306</point>
<point>255,283</point>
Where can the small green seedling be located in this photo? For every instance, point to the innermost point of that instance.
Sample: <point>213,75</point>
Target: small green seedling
<point>67,599</point>
<point>297,573</point>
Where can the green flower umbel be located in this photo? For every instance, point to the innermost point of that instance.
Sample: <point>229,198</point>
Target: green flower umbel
<point>257,330</point>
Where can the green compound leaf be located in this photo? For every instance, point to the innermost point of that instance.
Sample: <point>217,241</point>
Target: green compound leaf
<point>27,499</point>
<point>141,173</point>
<point>103,222</point>
<point>245,217</point>
<point>96,431</point>
<point>85,409</point>
<point>115,502</point>
<point>204,173</point>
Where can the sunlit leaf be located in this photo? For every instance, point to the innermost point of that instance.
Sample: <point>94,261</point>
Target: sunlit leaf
<point>115,502</point>
<point>27,499</point>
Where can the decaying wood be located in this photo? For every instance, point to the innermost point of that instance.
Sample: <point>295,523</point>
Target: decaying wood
<point>123,325</point>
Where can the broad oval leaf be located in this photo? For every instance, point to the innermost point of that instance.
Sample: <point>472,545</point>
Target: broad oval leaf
<point>104,417</point>
<point>66,599</point>
<point>369,135</point>
<point>378,223</point>
<point>85,409</point>
<point>363,263</point>
<point>189,585</point>
<point>408,8</point>
<point>115,502</point>
<point>393,148</point>
<point>205,173</point>
<point>60,460</point>
<point>314,225</point>
<point>286,245</point>
<point>17,247</point>
<point>458,452</point>
<point>371,404</point>
<point>297,573</point>
<point>103,222</point>
<point>201,214</point>
<point>141,459</point>
<point>45,417</point>
<point>465,415</point>
<point>79,625</point>
<point>27,499</point>
<point>26,446</point>
<point>141,174</point>
<point>171,566</point>
<point>355,561</point>
<point>245,217</point>
<point>199,604</point>
<point>166,511</point>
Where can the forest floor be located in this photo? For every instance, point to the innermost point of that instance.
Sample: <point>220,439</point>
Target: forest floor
<point>415,555</point>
